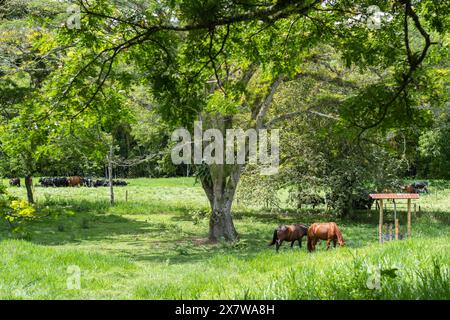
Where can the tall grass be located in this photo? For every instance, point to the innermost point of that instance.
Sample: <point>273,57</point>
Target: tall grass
<point>337,274</point>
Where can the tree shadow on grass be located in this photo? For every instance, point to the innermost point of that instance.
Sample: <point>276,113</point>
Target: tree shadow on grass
<point>287,216</point>
<point>250,244</point>
<point>83,221</point>
<point>254,240</point>
<point>307,216</point>
<point>439,216</point>
<point>182,252</point>
<point>61,224</point>
<point>249,247</point>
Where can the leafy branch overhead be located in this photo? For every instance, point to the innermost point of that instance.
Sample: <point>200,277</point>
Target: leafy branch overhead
<point>185,44</point>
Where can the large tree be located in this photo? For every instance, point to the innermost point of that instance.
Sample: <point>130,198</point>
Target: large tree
<point>23,69</point>
<point>222,61</point>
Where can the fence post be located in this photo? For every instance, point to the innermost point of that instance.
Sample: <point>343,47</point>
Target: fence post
<point>409,218</point>
<point>396,229</point>
<point>380,227</point>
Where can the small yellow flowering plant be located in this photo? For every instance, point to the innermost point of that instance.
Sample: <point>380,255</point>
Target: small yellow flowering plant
<point>14,211</point>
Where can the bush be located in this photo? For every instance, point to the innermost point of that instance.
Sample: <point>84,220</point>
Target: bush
<point>257,190</point>
<point>300,198</point>
<point>14,211</point>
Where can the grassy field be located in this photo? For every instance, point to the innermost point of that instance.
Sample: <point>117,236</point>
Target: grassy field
<point>150,248</point>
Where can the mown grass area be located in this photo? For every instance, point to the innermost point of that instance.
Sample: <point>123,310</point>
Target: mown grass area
<point>150,248</point>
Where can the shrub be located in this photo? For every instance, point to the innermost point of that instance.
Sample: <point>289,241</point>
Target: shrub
<point>14,211</point>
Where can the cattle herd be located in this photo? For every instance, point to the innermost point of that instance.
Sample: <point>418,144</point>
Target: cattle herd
<point>417,187</point>
<point>75,181</point>
<point>360,202</point>
<point>78,181</point>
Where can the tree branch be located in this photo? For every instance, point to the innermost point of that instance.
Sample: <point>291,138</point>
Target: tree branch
<point>413,65</point>
<point>271,13</point>
<point>295,114</point>
<point>267,102</point>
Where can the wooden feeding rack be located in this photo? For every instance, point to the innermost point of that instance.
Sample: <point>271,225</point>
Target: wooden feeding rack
<point>393,196</point>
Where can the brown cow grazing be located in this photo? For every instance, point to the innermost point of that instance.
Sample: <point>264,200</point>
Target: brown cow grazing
<point>75,181</point>
<point>292,232</point>
<point>14,182</point>
<point>324,231</point>
<point>410,189</point>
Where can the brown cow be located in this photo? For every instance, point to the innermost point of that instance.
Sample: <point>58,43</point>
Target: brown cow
<point>410,189</point>
<point>75,181</point>
<point>14,182</point>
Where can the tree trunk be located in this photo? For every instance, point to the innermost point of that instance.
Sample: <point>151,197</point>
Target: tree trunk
<point>29,186</point>
<point>220,184</point>
<point>110,174</point>
<point>221,222</point>
<point>220,189</point>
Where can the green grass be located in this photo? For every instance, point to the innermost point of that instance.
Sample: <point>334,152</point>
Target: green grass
<point>150,248</point>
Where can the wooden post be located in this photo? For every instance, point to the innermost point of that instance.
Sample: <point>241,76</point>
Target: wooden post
<point>415,210</point>
<point>110,173</point>
<point>380,227</point>
<point>395,209</point>
<point>396,229</point>
<point>126,195</point>
<point>409,218</point>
